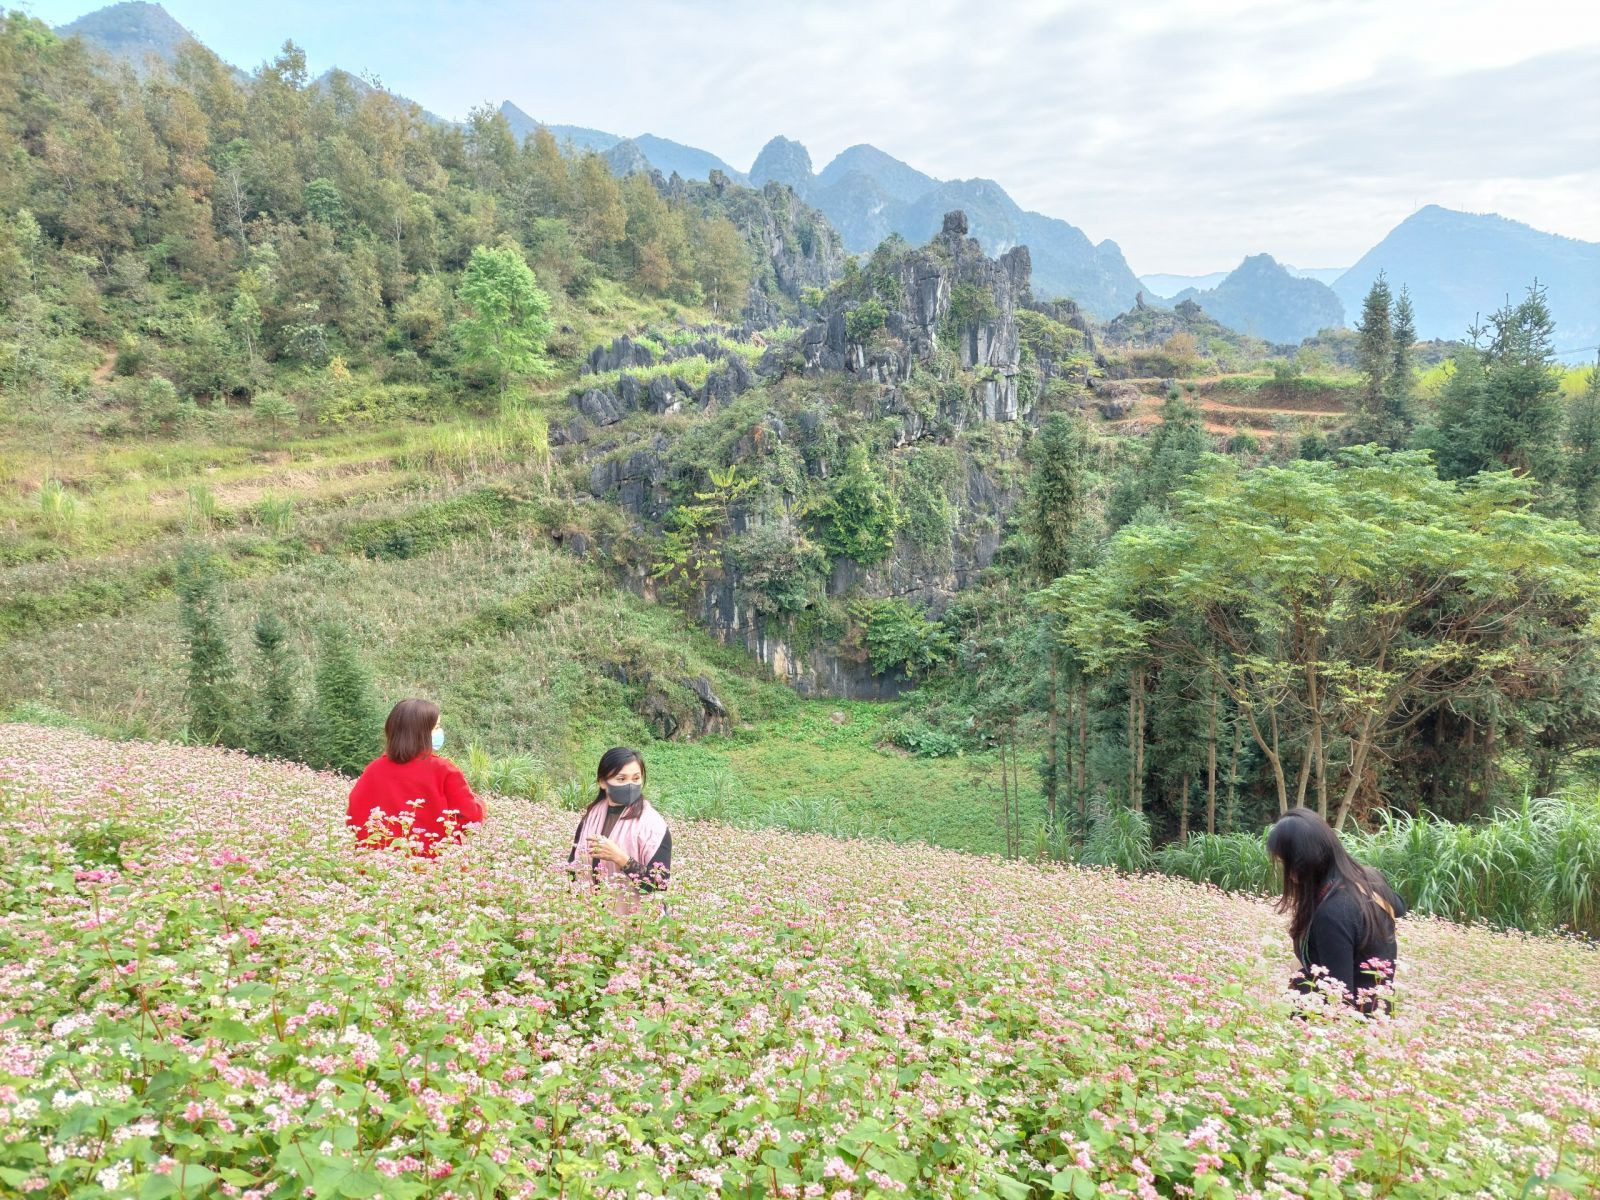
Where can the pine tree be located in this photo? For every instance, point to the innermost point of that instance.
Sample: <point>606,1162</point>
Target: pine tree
<point>1055,495</point>
<point>276,729</point>
<point>1399,416</point>
<point>1171,455</point>
<point>1518,424</point>
<point>209,692</point>
<point>1375,358</point>
<point>346,722</point>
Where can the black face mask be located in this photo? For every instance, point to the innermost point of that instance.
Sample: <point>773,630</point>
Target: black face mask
<point>620,795</point>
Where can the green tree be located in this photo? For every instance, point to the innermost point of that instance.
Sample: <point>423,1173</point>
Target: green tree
<point>1166,460</point>
<point>722,263</point>
<point>209,691</point>
<point>1336,604</point>
<point>508,316</point>
<point>345,718</point>
<point>276,729</point>
<point>859,518</point>
<point>1375,359</point>
<point>1399,416</point>
<point>1501,407</point>
<point>274,410</point>
<point>1583,448</point>
<point>1056,500</point>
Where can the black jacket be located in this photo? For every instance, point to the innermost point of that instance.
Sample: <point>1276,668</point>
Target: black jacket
<point>1337,943</point>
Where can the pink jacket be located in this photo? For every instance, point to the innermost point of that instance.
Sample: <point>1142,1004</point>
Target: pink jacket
<point>645,839</point>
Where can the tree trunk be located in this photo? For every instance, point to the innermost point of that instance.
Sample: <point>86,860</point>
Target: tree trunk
<point>1136,741</point>
<point>1053,745</point>
<point>1016,786</point>
<point>1277,766</point>
<point>1233,775</point>
<point>1183,809</point>
<point>1359,745</point>
<point>1211,765</point>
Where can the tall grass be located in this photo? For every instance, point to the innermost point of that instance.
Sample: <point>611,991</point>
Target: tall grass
<point>519,435</point>
<point>58,506</point>
<point>516,775</point>
<point>1118,838</point>
<point>1534,867</point>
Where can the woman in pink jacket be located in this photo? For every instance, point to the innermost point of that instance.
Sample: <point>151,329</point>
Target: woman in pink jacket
<point>622,838</point>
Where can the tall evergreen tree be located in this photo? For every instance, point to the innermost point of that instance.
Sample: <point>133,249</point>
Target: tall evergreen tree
<point>1399,416</point>
<point>1171,454</point>
<point>1518,425</point>
<point>1055,505</point>
<point>346,721</point>
<point>275,727</point>
<point>1375,358</point>
<point>209,692</point>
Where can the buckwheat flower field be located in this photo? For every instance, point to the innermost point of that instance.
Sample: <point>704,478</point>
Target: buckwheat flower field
<point>204,990</point>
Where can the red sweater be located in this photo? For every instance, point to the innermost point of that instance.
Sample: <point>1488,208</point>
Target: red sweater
<point>430,787</point>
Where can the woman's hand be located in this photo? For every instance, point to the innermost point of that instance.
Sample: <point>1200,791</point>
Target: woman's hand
<point>604,847</point>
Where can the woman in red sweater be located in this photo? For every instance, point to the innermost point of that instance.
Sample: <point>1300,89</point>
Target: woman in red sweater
<point>411,796</point>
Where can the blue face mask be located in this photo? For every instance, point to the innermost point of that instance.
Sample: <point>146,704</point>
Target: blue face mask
<point>438,738</point>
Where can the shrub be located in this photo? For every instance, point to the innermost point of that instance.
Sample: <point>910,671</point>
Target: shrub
<point>899,637</point>
<point>865,319</point>
<point>859,517</point>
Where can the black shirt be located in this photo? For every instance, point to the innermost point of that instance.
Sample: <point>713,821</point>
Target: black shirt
<point>1337,943</point>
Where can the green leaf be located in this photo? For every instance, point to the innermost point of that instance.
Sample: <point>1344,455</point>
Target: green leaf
<point>229,1029</point>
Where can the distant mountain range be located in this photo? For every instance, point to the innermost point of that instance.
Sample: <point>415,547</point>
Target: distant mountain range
<point>133,33</point>
<point>1260,297</point>
<point>1462,266</point>
<point>1458,266</point>
<point>1167,287</point>
<point>868,195</point>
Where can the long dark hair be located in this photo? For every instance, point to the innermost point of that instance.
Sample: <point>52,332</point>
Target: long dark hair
<point>409,729</point>
<point>1312,855</point>
<point>612,761</point>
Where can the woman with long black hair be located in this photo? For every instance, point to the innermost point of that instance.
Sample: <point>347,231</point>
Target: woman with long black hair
<point>1341,914</point>
<point>621,840</point>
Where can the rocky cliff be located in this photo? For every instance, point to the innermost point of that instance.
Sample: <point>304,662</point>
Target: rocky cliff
<point>788,486</point>
<point>946,297</point>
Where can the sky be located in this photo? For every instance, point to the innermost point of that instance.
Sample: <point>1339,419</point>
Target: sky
<point>1189,134</point>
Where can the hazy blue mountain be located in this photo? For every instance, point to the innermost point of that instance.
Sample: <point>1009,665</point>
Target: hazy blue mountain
<point>133,32</point>
<point>783,160</point>
<point>362,87</point>
<point>1462,266</point>
<point>1164,287</point>
<point>584,139</point>
<point>1261,298</point>
<point>894,178</point>
<point>665,156</point>
<point>1327,275</point>
<point>867,195</point>
<point>690,163</point>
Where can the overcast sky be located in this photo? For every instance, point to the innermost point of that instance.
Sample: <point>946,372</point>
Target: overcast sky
<point>1191,134</point>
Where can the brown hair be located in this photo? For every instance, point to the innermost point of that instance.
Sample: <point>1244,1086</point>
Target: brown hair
<point>409,729</point>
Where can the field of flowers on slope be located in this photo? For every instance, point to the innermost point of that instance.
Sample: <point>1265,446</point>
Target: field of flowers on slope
<point>204,990</point>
